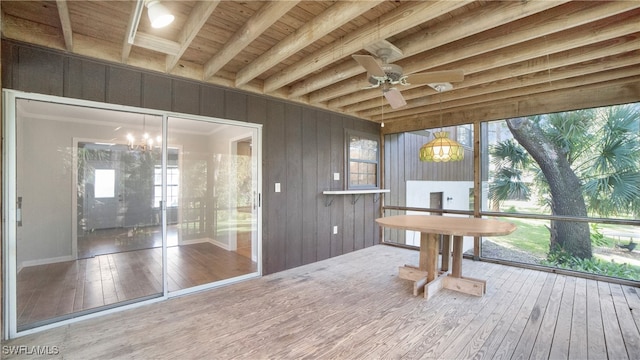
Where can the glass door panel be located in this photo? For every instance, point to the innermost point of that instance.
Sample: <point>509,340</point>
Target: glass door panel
<point>89,229</point>
<point>213,234</point>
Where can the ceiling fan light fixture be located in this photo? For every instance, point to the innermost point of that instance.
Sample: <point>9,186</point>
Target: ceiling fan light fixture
<point>441,149</point>
<point>159,14</point>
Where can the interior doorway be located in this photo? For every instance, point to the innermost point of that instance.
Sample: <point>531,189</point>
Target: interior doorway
<point>246,202</point>
<point>435,201</point>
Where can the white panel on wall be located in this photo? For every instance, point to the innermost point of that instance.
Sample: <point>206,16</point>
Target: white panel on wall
<point>455,196</point>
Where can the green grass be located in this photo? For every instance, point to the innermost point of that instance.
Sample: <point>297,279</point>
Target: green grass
<point>531,236</point>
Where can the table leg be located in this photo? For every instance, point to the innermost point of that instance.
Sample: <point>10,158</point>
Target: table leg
<point>446,252</point>
<point>456,270</point>
<point>423,263</point>
<point>431,255</point>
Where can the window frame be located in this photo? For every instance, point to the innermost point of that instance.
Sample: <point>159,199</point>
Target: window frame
<point>464,135</point>
<point>172,187</point>
<point>347,171</point>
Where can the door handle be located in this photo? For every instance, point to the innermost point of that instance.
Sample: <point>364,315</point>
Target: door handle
<point>19,211</point>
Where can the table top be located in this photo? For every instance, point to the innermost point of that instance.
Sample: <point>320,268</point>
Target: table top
<point>448,225</point>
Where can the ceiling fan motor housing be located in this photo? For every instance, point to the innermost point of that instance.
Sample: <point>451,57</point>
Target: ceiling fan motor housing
<point>393,72</point>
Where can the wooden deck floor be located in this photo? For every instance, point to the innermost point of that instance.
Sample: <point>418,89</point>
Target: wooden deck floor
<point>355,307</point>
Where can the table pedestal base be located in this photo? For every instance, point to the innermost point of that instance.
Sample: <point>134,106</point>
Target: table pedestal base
<point>465,285</point>
<point>414,274</point>
<point>444,280</point>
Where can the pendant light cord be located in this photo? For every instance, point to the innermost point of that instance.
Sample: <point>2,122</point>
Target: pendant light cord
<point>439,89</point>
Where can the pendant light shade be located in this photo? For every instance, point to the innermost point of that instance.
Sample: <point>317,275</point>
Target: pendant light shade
<point>441,149</point>
<point>158,14</point>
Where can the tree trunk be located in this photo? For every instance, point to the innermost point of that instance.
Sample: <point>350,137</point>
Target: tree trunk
<point>566,190</point>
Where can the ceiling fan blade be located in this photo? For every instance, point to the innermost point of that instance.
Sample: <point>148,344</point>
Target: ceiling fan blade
<point>436,77</point>
<point>370,64</point>
<point>395,98</point>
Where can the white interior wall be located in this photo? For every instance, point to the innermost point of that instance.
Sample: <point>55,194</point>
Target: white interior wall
<point>44,165</point>
<point>221,142</point>
<point>418,195</point>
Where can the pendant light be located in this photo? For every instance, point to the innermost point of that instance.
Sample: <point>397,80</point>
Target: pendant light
<point>441,149</point>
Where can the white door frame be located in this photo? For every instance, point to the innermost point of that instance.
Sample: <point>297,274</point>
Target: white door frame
<point>233,150</point>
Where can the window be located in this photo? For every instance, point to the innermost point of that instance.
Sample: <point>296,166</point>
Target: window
<point>105,184</point>
<point>363,160</point>
<point>464,135</point>
<point>604,202</point>
<point>173,181</point>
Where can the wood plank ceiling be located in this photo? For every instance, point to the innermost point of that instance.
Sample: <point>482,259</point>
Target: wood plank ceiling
<point>518,57</point>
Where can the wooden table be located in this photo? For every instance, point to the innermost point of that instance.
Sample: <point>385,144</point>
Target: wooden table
<point>426,275</point>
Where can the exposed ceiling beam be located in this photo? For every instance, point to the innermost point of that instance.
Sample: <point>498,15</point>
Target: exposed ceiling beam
<point>401,19</point>
<point>335,16</point>
<point>157,43</point>
<point>620,66</point>
<point>197,18</point>
<point>268,14</point>
<point>548,37</point>
<point>65,21</point>
<point>619,91</point>
<point>490,16</point>
<point>484,77</point>
<point>521,49</point>
<point>132,27</point>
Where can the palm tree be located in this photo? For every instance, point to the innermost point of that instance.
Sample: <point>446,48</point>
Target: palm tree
<point>510,161</point>
<point>586,161</point>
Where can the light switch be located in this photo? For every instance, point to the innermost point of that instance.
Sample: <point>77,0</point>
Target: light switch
<point>335,230</point>
<point>277,187</point>
<point>336,176</point>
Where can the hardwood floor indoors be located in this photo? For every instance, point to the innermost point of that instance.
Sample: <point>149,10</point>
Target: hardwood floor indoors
<point>60,289</point>
<point>355,307</point>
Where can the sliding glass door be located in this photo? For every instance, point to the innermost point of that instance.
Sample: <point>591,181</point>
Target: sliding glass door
<point>110,206</point>
<point>213,235</point>
<point>87,236</point>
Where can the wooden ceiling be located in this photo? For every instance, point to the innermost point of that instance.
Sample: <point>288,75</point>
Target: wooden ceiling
<point>518,57</point>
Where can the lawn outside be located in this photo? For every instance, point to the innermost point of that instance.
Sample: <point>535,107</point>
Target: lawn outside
<point>530,242</point>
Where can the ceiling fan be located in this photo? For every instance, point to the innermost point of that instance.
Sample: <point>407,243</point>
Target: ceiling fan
<point>385,75</point>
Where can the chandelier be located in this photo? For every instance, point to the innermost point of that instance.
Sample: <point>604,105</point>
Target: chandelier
<point>441,148</point>
<point>145,143</point>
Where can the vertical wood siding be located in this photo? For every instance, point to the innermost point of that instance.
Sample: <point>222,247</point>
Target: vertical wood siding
<point>302,146</point>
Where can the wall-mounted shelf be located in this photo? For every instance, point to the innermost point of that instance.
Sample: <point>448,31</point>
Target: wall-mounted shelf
<point>354,193</point>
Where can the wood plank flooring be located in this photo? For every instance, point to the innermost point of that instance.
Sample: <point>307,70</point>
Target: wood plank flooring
<point>355,307</point>
<point>55,290</point>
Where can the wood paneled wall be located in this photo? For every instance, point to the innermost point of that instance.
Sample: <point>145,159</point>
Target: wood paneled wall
<point>302,146</point>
